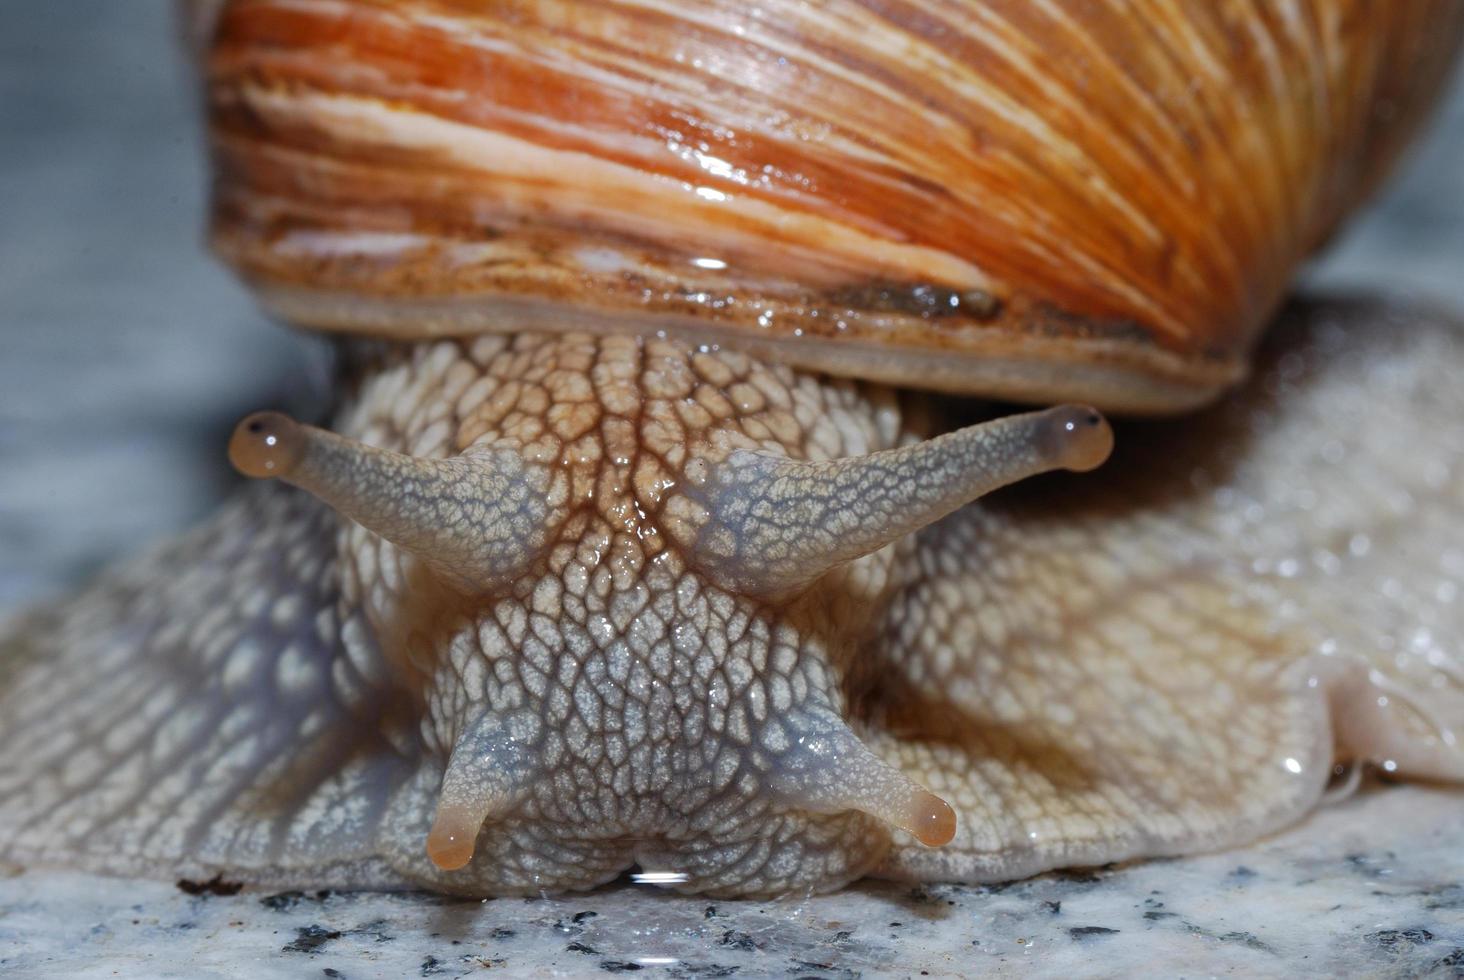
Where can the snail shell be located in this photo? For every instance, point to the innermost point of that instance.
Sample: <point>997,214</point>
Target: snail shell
<point>1038,201</point>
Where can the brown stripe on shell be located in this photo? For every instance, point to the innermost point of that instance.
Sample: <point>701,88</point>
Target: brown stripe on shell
<point>980,185</point>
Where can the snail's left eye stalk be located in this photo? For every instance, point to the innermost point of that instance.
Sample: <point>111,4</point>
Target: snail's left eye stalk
<point>477,519</point>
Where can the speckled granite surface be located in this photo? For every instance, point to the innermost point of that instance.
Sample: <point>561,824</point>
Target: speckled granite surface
<point>1370,887</point>
<point>127,357</point>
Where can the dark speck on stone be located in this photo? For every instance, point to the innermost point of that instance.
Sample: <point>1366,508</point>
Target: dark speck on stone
<point>430,966</point>
<point>1242,872</point>
<point>1454,959</point>
<point>733,939</point>
<point>1445,897</point>
<point>374,931</point>
<point>309,939</point>
<point>1078,877</point>
<point>1366,865</point>
<point>619,966</point>
<point>710,913</point>
<point>1246,939</point>
<point>214,886</point>
<point>1154,916</point>
<point>823,971</point>
<point>1081,933</point>
<point>582,916</point>
<point>284,901</point>
<point>921,895</point>
<point>1401,939</point>
<point>502,933</point>
<point>581,948</point>
<point>1052,907</point>
<point>333,973</point>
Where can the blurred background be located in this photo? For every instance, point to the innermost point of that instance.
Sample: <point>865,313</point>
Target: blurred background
<point>126,353</point>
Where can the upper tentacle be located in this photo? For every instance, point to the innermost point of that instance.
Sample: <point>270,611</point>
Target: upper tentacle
<point>770,525</point>
<point>478,519</point>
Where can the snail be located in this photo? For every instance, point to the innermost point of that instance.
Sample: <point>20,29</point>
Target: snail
<point>646,531</point>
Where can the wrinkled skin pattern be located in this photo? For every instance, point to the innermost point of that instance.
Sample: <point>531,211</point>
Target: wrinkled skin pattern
<point>655,707</point>
<point>1168,655</point>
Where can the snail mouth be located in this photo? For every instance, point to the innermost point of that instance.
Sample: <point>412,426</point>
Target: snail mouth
<point>827,771</point>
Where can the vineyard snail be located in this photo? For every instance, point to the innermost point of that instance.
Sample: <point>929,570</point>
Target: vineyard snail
<point>625,548</point>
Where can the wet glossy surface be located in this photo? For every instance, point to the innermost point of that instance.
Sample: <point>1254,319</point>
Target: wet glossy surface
<point>128,356</point>
<point>1121,194</point>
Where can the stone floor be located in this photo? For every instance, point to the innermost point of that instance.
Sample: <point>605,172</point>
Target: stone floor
<point>1370,887</point>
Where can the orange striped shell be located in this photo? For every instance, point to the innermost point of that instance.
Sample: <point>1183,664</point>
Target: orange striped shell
<point>1033,199</point>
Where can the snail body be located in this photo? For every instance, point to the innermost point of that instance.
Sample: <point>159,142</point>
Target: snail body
<point>622,549</point>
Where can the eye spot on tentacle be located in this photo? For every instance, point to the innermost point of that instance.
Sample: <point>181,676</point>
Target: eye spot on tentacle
<point>1079,438</point>
<point>266,444</point>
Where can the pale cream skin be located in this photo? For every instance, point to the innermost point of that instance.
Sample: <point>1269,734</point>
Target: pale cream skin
<point>561,605</point>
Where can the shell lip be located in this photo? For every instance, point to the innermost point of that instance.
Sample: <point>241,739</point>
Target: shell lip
<point>1121,375</point>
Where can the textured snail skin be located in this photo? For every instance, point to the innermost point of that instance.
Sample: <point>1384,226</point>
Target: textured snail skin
<point>1036,200</point>
<point>1168,654</point>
